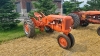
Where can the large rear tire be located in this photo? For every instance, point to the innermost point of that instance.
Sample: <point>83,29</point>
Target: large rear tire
<point>29,28</point>
<point>98,31</point>
<point>64,41</point>
<point>76,20</point>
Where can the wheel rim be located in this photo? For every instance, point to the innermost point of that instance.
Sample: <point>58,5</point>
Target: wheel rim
<point>63,42</point>
<point>26,28</point>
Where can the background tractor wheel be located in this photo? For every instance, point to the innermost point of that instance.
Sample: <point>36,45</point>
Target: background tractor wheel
<point>84,23</point>
<point>71,39</point>
<point>48,29</point>
<point>64,41</point>
<point>29,28</point>
<point>76,20</point>
<point>98,31</point>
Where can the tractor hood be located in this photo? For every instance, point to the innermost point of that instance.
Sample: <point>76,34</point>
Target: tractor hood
<point>92,12</point>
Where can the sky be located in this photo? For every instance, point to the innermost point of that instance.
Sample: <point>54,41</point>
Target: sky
<point>81,5</point>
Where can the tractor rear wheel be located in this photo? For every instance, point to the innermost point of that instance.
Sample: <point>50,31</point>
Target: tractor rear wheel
<point>84,23</point>
<point>72,39</point>
<point>48,29</point>
<point>64,41</point>
<point>76,20</point>
<point>29,28</point>
<point>98,31</point>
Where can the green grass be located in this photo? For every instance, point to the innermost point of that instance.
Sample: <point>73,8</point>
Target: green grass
<point>15,33</point>
<point>12,34</point>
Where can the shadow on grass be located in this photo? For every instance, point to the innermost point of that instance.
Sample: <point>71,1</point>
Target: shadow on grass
<point>78,48</point>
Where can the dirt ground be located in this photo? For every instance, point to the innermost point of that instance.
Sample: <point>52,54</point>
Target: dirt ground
<point>86,38</point>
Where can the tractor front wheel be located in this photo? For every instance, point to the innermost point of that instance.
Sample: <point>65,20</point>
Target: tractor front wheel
<point>98,31</point>
<point>72,39</point>
<point>84,23</point>
<point>48,29</point>
<point>29,28</point>
<point>64,41</point>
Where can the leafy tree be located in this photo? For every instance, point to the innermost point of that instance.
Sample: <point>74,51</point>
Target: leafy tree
<point>45,6</point>
<point>7,14</point>
<point>86,7</point>
<point>69,7</point>
<point>92,5</point>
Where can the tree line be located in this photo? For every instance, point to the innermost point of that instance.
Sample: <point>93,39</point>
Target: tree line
<point>8,15</point>
<point>74,5</point>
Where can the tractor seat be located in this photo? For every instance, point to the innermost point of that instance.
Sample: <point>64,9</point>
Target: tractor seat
<point>36,14</point>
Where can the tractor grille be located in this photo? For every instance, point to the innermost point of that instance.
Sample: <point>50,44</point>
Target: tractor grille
<point>67,24</point>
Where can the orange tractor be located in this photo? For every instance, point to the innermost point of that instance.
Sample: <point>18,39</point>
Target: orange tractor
<point>86,17</point>
<point>49,24</point>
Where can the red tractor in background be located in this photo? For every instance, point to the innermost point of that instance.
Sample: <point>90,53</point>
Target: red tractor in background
<point>50,24</point>
<point>86,17</point>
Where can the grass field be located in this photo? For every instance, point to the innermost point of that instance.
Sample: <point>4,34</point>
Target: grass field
<point>12,34</point>
<point>18,32</point>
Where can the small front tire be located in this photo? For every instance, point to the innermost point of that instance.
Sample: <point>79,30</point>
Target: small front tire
<point>98,31</point>
<point>64,41</point>
<point>48,29</point>
<point>84,23</point>
<point>72,39</point>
